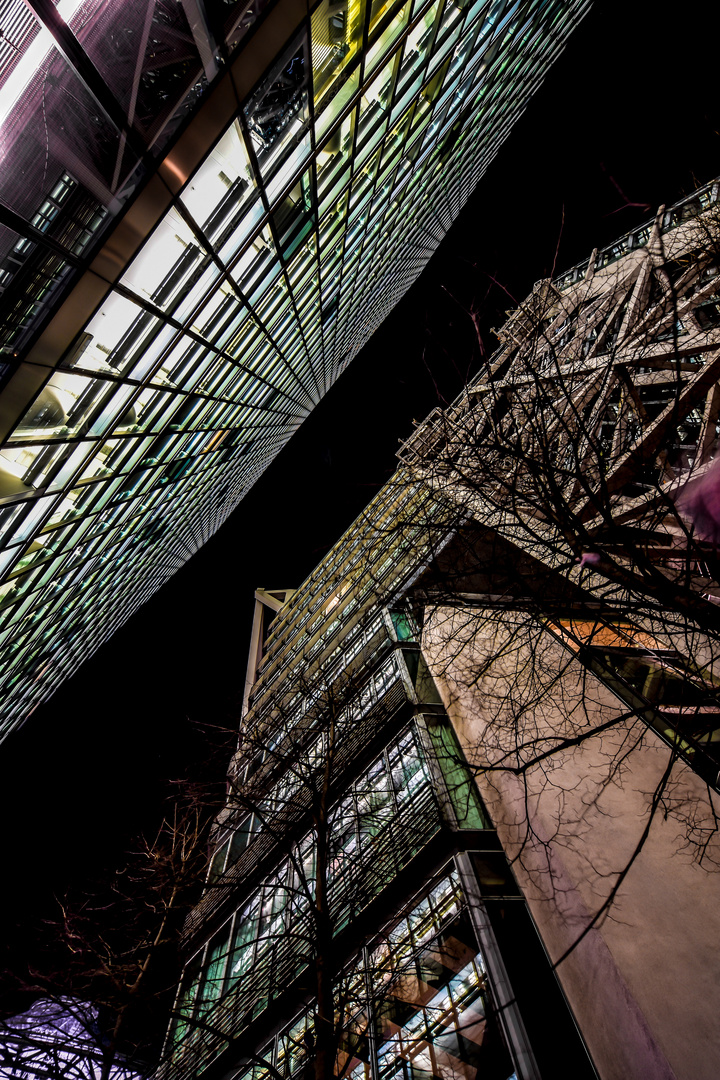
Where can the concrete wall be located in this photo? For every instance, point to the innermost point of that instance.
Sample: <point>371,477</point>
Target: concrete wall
<point>644,983</point>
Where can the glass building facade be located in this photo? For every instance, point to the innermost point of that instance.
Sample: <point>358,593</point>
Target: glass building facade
<point>351,784</point>
<point>438,971</point>
<point>206,210</point>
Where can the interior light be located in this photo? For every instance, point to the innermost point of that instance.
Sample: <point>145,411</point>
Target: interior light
<point>33,57</point>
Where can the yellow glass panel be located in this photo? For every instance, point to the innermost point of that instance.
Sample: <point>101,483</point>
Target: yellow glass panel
<point>387,39</point>
<point>337,29</point>
<point>333,159</point>
<point>335,103</point>
<point>379,10</point>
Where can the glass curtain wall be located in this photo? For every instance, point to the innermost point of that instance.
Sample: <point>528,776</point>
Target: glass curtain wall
<point>375,829</point>
<point>91,93</point>
<point>315,210</point>
<point>419,1004</point>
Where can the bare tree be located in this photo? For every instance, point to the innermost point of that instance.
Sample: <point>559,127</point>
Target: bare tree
<point>299,840</point>
<point>554,531</point>
<point>330,798</point>
<point>583,460</point>
<point>98,994</point>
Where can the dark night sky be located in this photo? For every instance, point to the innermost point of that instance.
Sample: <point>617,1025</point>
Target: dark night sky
<point>628,118</point>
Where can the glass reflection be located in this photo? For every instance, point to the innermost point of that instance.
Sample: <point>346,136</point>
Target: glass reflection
<point>168,359</point>
<point>334,161</point>
<point>336,37</point>
<point>294,217</point>
<point>277,114</point>
<point>168,265</point>
<point>222,187</point>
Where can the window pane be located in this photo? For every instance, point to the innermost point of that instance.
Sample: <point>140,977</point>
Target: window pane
<point>277,114</point>
<point>222,187</point>
<point>337,30</point>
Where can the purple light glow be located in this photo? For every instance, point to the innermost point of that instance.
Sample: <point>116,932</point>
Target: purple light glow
<point>699,501</point>
<point>58,1039</point>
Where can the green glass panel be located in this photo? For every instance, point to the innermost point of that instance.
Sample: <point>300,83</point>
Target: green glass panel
<point>458,779</point>
<point>387,38</point>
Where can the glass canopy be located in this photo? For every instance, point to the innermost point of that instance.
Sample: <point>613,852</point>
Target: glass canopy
<point>146,390</point>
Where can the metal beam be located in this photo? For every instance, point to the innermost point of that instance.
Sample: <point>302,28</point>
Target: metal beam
<point>204,40</point>
<point>18,224</point>
<point>142,48</point>
<point>82,65</point>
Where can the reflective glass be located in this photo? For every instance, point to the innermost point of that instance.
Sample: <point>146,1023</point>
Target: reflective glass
<point>168,265</point>
<point>373,117</point>
<point>277,114</point>
<point>259,266</point>
<point>294,218</point>
<point>225,320</point>
<point>134,47</point>
<point>336,38</point>
<point>387,38</point>
<point>333,107</point>
<point>42,97</point>
<point>334,161</point>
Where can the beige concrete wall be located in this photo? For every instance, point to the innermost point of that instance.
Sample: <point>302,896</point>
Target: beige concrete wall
<point>644,984</point>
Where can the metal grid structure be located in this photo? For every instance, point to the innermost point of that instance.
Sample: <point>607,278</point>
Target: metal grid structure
<point>270,959</point>
<point>55,1038</point>
<point>93,91</point>
<point>621,357</point>
<point>322,162</point>
<point>635,340</point>
<point>400,804</point>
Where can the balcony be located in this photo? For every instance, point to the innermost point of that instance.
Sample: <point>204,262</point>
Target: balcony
<point>290,819</point>
<point>277,970</point>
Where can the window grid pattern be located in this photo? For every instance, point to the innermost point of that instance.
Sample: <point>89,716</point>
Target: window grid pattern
<point>338,607</point>
<point>419,1002</point>
<point>117,79</point>
<point>289,793</point>
<point>313,214</point>
<point>386,816</point>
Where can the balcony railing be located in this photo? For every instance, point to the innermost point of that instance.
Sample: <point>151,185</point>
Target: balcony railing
<point>382,857</point>
<point>683,211</point>
<point>245,871</point>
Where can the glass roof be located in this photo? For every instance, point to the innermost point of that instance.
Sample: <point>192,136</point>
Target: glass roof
<point>271,260</point>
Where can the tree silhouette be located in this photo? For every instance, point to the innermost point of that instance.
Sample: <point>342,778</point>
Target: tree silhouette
<point>582,457</point>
